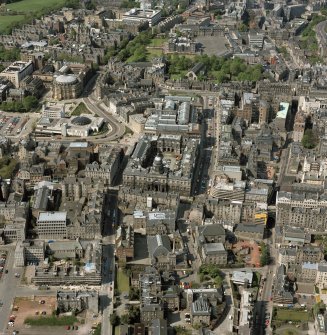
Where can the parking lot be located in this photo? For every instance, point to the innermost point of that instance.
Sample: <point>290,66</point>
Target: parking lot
<point>38,307</point>
<point>24,307</point>
<point>12,125</point>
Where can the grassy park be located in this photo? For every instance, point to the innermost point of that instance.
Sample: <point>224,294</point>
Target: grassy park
<point>23,11</point>
<point>122,281</point>
<point>51,321</point>
<point>292,315</point>
<point>26,6</point>
<point>80,109</point>
<point>7,20</point>
<point>288,321</point>
<point>158,42</point>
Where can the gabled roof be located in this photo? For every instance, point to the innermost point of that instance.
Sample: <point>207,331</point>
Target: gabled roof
<point>158,245</point>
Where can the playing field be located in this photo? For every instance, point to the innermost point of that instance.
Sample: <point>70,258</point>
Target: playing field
<point>6,20</point>
<point>34,5</point>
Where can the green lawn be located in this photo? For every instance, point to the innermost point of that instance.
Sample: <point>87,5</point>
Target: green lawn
<point>158,42</point>
<point>153,53</point>
<point>122,281</point>
<point>51,321</point>
<point>292,315</point>
<point>80,109</point>
<point>7,20</point>
<point>178,76</point>
<point>34,5</point>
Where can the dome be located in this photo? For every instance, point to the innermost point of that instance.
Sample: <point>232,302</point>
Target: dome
<point>81,121</point>
<point>157,160</point>
<point>66,79</point>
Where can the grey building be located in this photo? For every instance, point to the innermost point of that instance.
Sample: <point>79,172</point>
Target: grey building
<point>200,312</point>
<point>305,210</point>
<point>214,253</point>
<point>78,301</point>
<point>160,252</point>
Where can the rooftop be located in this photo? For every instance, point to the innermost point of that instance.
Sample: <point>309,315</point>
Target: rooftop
<point>52,216</point>
<point>242,276</point>
<point>283,110</point>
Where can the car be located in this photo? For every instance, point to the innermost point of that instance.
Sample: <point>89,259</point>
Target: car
<point>67,327</point>
<point>6,271</point>
<point>76,327</point>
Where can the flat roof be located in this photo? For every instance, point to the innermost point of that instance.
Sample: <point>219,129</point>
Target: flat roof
<point>241,276</point>
<point>52,216</point>
<point>78,145</point>
<point>283,110</point>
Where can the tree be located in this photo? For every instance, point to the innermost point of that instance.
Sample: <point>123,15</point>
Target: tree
<point>134,293</point>
<point>125,319</point>
<point>309,140</point>
<point>114,319</point>
<point>319,307</point>
<point>30,102</point>
<point>90,5</point>
<point>265,257</point>
<point>134,315</point>
<point>211,271</point>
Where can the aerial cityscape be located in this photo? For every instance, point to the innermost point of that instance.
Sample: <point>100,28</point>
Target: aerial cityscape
<point>163,167</point>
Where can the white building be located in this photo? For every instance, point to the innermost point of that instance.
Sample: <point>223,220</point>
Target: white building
<point>52,225</point>
<point>17,71</point>
<point>141,15</point>
<point>242,278</point>
<point>53,110</point>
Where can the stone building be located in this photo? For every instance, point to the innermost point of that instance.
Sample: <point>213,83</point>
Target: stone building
<point>155,222</point>
<point>68,301</point>
<point>29,252</point>
<point>182,44</point>
<point>299,127</point>
<point>124,244</point>
<point>108,167</point>
<point>160,252</point>
<point>66,87</point>
<point>214,253</point>
<point>151,312</point>
<point>149,171</point>
<point>305,210</point>
<point>202,304</point>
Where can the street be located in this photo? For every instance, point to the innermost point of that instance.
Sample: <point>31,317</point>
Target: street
<point>9,288</point>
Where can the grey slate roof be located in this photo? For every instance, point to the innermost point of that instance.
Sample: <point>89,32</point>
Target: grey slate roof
<point>158,245</point>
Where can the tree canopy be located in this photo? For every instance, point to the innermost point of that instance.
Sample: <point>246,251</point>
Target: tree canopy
<point>27,104</point>
<point>265,257</point>
<point>309,140</point>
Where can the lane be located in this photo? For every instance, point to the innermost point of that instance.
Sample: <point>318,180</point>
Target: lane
<point>8,289</point>
<point>117,128</point>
